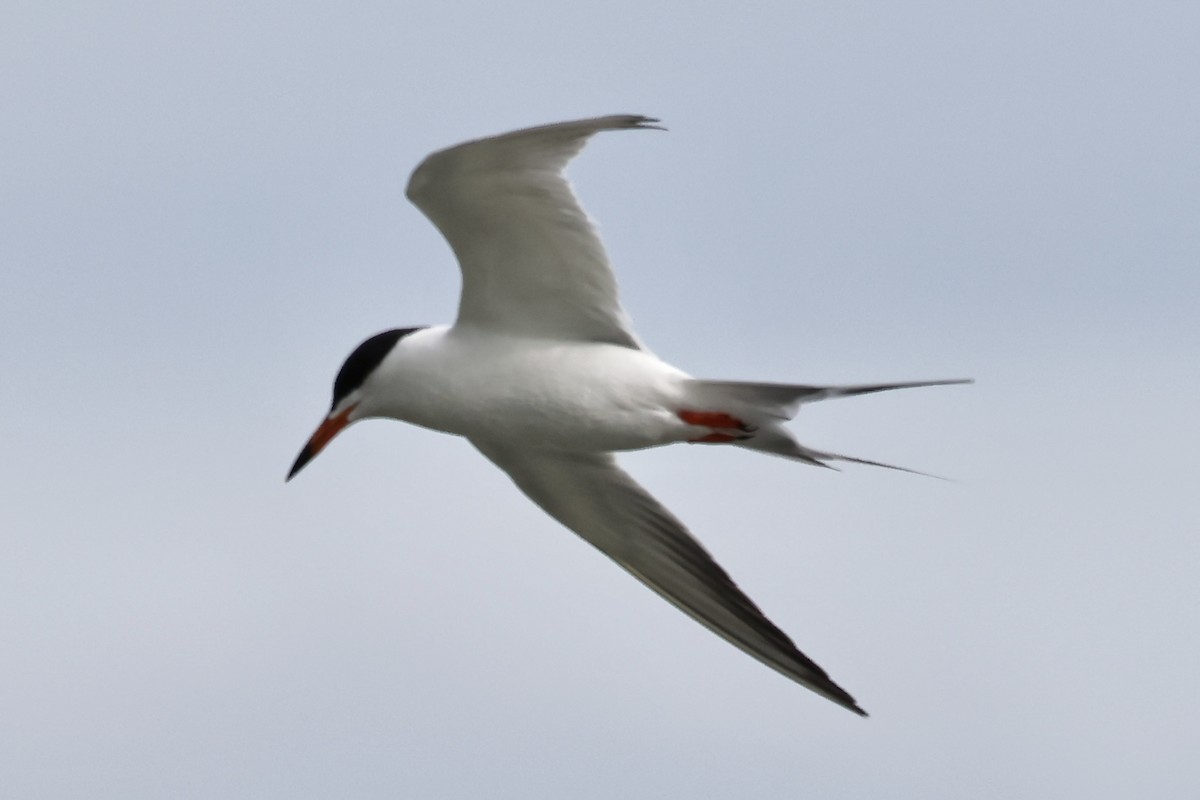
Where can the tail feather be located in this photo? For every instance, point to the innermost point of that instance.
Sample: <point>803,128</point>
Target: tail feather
<point>871,463</point>
<point>764,406</point>
<point>778,441</point>
<point>783,400</point>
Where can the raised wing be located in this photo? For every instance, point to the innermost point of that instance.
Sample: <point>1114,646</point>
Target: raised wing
<point>532,262</point>
<point>589,494</point>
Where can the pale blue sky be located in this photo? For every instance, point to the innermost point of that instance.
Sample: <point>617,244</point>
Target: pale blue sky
<point>202,212</point>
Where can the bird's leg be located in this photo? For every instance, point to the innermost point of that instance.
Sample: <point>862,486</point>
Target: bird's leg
<point>728,428</point>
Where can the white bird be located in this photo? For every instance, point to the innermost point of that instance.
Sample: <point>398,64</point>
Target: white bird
<point>543,374</point>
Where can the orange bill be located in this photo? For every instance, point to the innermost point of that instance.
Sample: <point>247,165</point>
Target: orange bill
<point>328,429</point>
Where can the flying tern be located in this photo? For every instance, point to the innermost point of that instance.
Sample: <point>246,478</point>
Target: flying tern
<point>543,374</point>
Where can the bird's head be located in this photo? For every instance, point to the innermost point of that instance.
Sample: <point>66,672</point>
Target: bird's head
<point>350,387</point>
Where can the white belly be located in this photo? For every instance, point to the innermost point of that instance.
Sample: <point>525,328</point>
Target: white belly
<point>563,395</point>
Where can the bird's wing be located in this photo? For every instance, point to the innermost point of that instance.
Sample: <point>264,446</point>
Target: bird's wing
<point>532,262</point>
<point>592,496</point>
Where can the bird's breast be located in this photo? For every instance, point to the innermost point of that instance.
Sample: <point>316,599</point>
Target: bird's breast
<point>560,395</point>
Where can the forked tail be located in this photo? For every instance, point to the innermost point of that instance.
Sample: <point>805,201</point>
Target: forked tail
<point>767,405</point>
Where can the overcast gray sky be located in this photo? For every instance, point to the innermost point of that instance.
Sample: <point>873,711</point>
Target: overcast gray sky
<point>202,212</point>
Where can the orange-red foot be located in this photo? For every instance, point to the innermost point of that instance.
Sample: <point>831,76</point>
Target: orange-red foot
<point>722,422</point>
<point>713,419</point>
<point>716,438</point>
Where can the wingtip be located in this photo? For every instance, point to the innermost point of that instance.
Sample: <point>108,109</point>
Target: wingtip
<point>639,122</point>
<point>840,696</point>
<point>831,691</point>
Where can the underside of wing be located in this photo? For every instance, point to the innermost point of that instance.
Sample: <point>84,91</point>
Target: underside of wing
<point>532,262</point>
<point>589,494</point>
